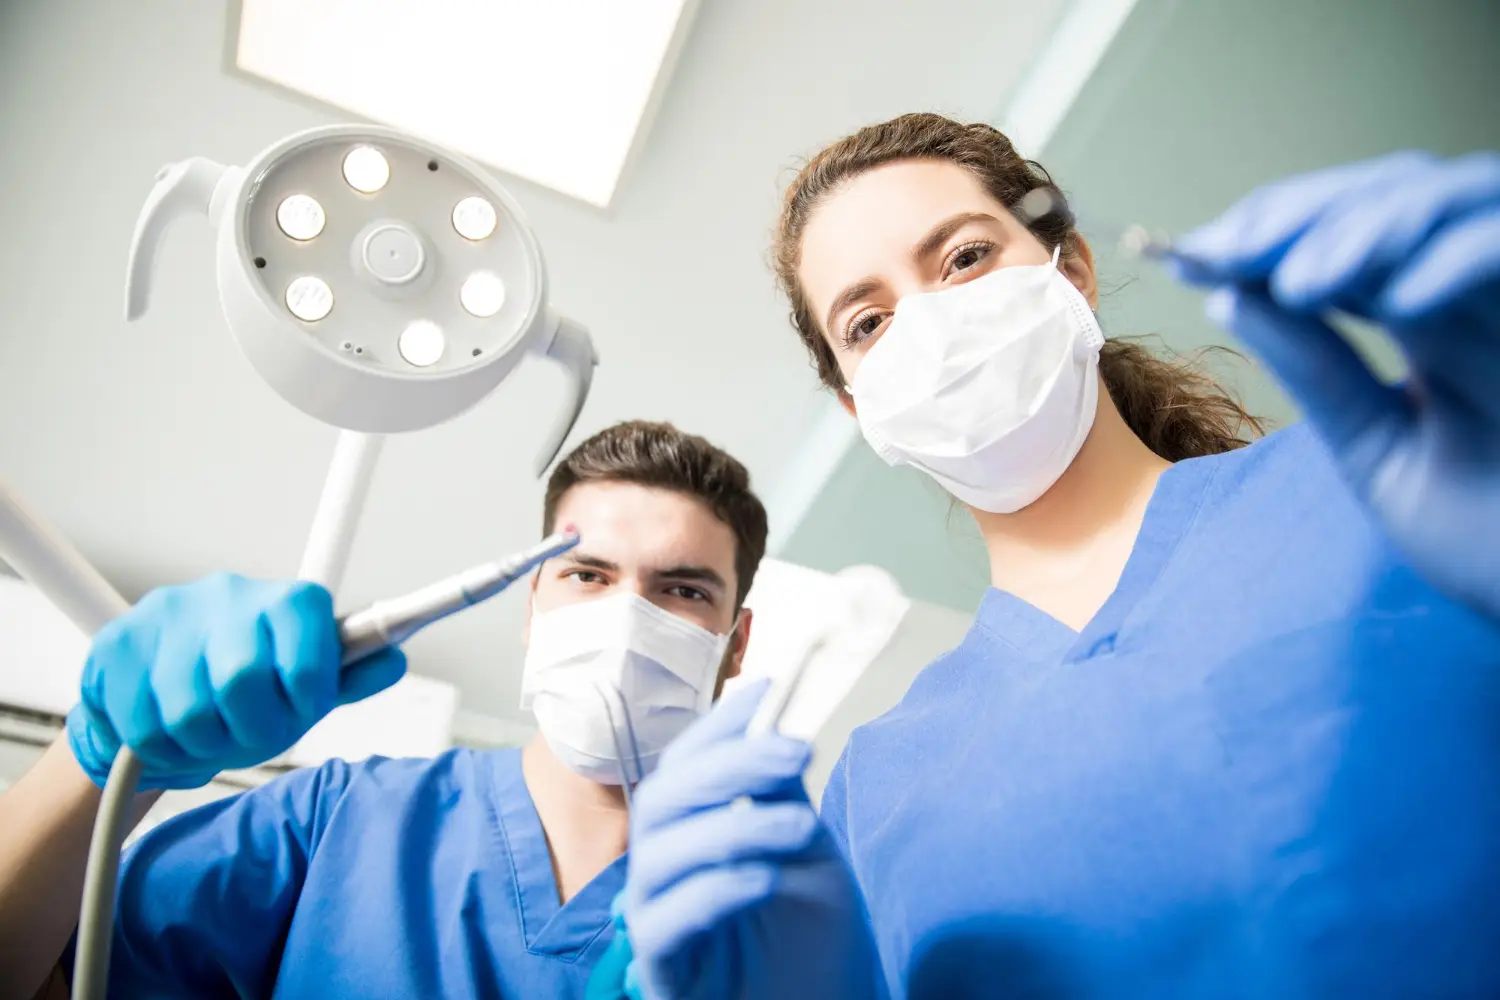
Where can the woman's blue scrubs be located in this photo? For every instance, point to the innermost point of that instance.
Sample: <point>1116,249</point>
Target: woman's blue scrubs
<point>388,878</point>
<point>1269,767</point>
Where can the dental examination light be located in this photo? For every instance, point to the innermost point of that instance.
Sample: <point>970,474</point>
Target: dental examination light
<point>378,283</point>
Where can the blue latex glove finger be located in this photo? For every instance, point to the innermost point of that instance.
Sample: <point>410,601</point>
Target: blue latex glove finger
<point>305,645</point>
<point>665,924</point>
<point>1247,242</point>
<point>717,838</point>
<point>716,777</point>
<point>726,721</point>
<point>247,687</point>
<point>1459,263</point>
<point>118,684</point>
<point>1360,418</point>
<point>1347,256</point>
<point>371,675</point>
<point>188,712</point>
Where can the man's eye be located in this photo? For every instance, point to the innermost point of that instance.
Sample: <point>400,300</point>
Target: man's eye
<point>687,593</point>
<point>586,576</point>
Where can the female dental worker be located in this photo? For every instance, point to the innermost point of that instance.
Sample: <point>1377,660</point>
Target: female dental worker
<point>1228,722</point>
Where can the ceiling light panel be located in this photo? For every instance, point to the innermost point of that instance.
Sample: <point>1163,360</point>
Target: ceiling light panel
<point>559,94</point>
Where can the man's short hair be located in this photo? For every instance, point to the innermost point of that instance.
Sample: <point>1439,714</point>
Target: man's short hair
<point>661,456</point>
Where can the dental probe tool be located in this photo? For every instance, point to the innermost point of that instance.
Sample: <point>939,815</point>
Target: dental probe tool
<point>1133,240</point>
<point>391,622</point>
<point>773,704</point>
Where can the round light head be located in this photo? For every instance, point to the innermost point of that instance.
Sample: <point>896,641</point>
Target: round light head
<point>366,169</point>
<point>437,278</point>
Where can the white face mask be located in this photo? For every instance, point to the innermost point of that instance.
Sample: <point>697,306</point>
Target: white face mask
<point>614,680</point>
<point>989,387</point>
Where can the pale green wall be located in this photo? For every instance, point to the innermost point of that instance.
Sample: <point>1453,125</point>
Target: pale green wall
<point>1197,101</point>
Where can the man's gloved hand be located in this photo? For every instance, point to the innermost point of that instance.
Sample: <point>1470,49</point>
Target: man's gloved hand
<point>1412,243</point>
<point>222,673</point>
<point>727,898</point>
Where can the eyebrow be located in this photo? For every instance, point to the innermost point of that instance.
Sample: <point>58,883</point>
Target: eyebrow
<point>693,574</point>
<point>576,558</point>
<point>926,247</point>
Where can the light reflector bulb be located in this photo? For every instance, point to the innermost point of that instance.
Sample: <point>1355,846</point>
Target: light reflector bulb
<point>474,218</point>
<point>482,294</point>
<point>366,169</point>
<point>421,343</point>
<point>300,217</point>
<point>309,298</point>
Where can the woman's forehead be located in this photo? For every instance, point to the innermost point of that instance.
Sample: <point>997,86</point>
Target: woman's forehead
<point>866,226</point>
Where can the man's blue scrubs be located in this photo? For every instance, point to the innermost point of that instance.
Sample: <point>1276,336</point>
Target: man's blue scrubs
<point>388,878</point>
<point>1269,767</point>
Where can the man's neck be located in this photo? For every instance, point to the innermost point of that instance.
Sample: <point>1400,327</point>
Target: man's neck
<point>586,823</point>
<point>1065,552</point>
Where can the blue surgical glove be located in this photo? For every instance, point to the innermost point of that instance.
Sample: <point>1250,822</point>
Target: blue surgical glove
<point>746,899</point>
<point>223,673</point>
<point>1412,243</point>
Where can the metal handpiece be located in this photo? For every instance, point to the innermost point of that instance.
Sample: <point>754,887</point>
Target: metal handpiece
<point>391,622</point>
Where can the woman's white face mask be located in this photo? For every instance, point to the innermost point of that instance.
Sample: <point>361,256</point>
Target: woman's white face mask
<point>989,387</point>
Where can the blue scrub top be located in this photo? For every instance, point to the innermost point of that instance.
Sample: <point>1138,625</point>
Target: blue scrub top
<point>387,878</point>
<point>1269,767</point>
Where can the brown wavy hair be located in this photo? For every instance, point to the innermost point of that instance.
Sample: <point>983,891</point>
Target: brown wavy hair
<point>1175,406</point>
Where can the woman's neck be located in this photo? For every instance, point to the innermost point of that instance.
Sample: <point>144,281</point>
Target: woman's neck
<point>1064,553</point>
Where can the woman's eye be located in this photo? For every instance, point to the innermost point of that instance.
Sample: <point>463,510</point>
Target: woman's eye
<point>967,257</point>
<point>862,327</point>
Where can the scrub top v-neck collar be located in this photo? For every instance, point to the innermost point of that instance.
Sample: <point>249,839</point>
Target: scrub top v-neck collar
<point>1040,638</point>
<point>564,930</point>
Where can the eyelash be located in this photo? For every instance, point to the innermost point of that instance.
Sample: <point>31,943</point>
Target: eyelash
<point>852,336</point>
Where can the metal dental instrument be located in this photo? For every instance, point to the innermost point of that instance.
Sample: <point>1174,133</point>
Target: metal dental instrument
<point>363,633</point>
<point>614,733</point>
<point>773,704</point>
<point>393,621</point>
<point>1133,240</point>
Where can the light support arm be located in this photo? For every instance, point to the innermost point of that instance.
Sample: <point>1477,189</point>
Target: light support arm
<point>195,186</point>
<point>569,345</point>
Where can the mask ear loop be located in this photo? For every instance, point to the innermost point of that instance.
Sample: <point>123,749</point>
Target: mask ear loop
<point>1056,253</point>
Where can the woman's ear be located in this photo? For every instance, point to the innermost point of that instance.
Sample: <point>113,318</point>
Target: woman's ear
<point>846,401</point>
<point>1077,265</point>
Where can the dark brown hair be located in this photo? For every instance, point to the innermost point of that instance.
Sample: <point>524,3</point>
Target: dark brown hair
<point>1178,410</point>
<point>661,456</point>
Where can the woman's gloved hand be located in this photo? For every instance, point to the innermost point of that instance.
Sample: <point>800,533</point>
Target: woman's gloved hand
<point>223,673</point>
<point>1412,243</point>
<point>744,899</point>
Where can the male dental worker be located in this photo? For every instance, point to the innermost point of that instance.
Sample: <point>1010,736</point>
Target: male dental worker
<point>475,874</point>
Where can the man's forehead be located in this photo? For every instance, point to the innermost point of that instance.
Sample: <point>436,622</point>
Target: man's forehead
<point>649,527</point>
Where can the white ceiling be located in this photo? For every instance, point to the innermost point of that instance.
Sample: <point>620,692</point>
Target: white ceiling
<point>159,452</point>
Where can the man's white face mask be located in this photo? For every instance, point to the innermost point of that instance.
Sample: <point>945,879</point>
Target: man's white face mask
<point>612,681</point>
<point>989,387</point>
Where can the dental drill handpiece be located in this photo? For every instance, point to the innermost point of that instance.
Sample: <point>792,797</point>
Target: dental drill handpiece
<point>393,621</point>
